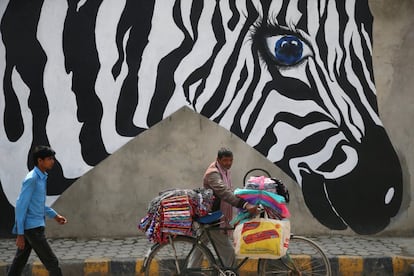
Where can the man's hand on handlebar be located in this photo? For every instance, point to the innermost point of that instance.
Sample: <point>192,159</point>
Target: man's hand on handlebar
<point>252,209</point>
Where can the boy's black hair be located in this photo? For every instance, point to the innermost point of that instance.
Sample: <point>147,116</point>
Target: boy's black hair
<point>42,152</point>
<point>224,152</point>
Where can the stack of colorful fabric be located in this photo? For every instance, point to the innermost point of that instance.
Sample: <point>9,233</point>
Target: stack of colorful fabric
<point>176,216</point>
<point>266,199</point>
<point>274,204</point>
<point>201,200</point>
<point>261,183</point>
<point>171,213</point>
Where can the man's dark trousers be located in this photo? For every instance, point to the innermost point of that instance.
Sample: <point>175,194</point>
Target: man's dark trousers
<point>35,238</point>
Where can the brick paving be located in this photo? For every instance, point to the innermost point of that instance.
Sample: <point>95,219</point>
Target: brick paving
<point>78,250</point>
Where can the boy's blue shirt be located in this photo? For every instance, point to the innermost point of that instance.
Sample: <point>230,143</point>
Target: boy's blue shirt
<point>30,205</point>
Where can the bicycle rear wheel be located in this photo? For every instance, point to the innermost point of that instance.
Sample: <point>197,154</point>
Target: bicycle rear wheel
<point>173,258</point>
<point>304,257</point>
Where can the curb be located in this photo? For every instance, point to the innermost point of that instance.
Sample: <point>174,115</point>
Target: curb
<point>341,265</point>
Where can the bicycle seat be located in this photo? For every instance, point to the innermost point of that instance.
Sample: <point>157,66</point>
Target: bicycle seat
<point>210,217</point>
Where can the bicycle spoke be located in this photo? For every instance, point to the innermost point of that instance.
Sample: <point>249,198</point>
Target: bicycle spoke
<point>304,258</point>
<point>175,258</point>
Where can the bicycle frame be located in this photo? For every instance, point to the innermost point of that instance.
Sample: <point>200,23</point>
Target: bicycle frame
<point>216,262</point>
<point>206,230</point>
<point>203,237</point>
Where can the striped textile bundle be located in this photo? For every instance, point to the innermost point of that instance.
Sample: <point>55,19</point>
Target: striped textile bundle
<point>268,184</point>
<point>265,198</point>
<point>172,212</point>
<point>176,215</point>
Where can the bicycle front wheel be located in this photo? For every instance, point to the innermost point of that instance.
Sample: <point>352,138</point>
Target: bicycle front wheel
<point>180,256</point>
<point>304,257</point>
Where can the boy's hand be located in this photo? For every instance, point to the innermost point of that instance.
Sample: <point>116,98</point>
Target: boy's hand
<point>61,219</point>
<point>20,242</point>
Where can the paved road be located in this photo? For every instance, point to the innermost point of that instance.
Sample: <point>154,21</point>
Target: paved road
<point>364,254</point>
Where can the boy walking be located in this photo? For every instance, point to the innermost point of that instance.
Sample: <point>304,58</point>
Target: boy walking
<point>30,216</point>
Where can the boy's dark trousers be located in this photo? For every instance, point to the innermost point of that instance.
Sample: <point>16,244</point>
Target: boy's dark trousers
<point>35,238</point>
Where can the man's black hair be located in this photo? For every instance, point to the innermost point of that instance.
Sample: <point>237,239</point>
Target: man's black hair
<point>42,152</point>
<point>224,152</point>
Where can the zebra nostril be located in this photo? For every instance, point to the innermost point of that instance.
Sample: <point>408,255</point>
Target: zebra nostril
<point>389,195</point>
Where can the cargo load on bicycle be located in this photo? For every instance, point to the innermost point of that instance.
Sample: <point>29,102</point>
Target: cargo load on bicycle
<point>266,236</point>
<point>168,219</point>
<point>172,213</point>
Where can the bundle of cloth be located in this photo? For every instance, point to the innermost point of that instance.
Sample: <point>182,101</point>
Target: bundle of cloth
<point>261,183</point>
<point>262,191</point>
<point>176,215</point>
<point>172,212</point>
<point>268,184</point>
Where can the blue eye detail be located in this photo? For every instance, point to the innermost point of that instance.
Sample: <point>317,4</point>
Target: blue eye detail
<point>287,50</point>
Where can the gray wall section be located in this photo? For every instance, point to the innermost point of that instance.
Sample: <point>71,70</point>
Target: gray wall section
<point>393,56</point>
<point>109,200</point>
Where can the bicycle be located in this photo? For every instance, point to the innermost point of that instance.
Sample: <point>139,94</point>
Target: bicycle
<point>304,257</point>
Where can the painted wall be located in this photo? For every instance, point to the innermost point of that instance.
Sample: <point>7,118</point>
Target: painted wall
<point>292,79</point>
<point>112,197</point>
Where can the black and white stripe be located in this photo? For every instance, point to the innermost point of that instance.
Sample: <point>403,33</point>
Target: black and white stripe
<point>122,69</point>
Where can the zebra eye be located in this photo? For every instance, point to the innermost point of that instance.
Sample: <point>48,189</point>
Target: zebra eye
<point>287,50</point>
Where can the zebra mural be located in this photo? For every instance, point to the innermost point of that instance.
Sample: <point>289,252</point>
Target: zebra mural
<point>293,79</point>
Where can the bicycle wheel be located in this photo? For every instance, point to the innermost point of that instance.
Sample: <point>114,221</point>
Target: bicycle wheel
<point>173,258</point>
<point>304,257</point>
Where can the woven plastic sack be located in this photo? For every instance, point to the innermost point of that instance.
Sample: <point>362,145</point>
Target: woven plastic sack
<point>262,238</point>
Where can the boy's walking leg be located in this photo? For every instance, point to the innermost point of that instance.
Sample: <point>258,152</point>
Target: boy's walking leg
<point>38,240</point>
<point>20,259</point>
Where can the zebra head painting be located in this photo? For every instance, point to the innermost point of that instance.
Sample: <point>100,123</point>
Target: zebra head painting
<point>292,78</point>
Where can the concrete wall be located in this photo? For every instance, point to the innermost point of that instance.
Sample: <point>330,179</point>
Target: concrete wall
<point>393,57</point>
<point>110,199</point>
<point>88,104</point>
